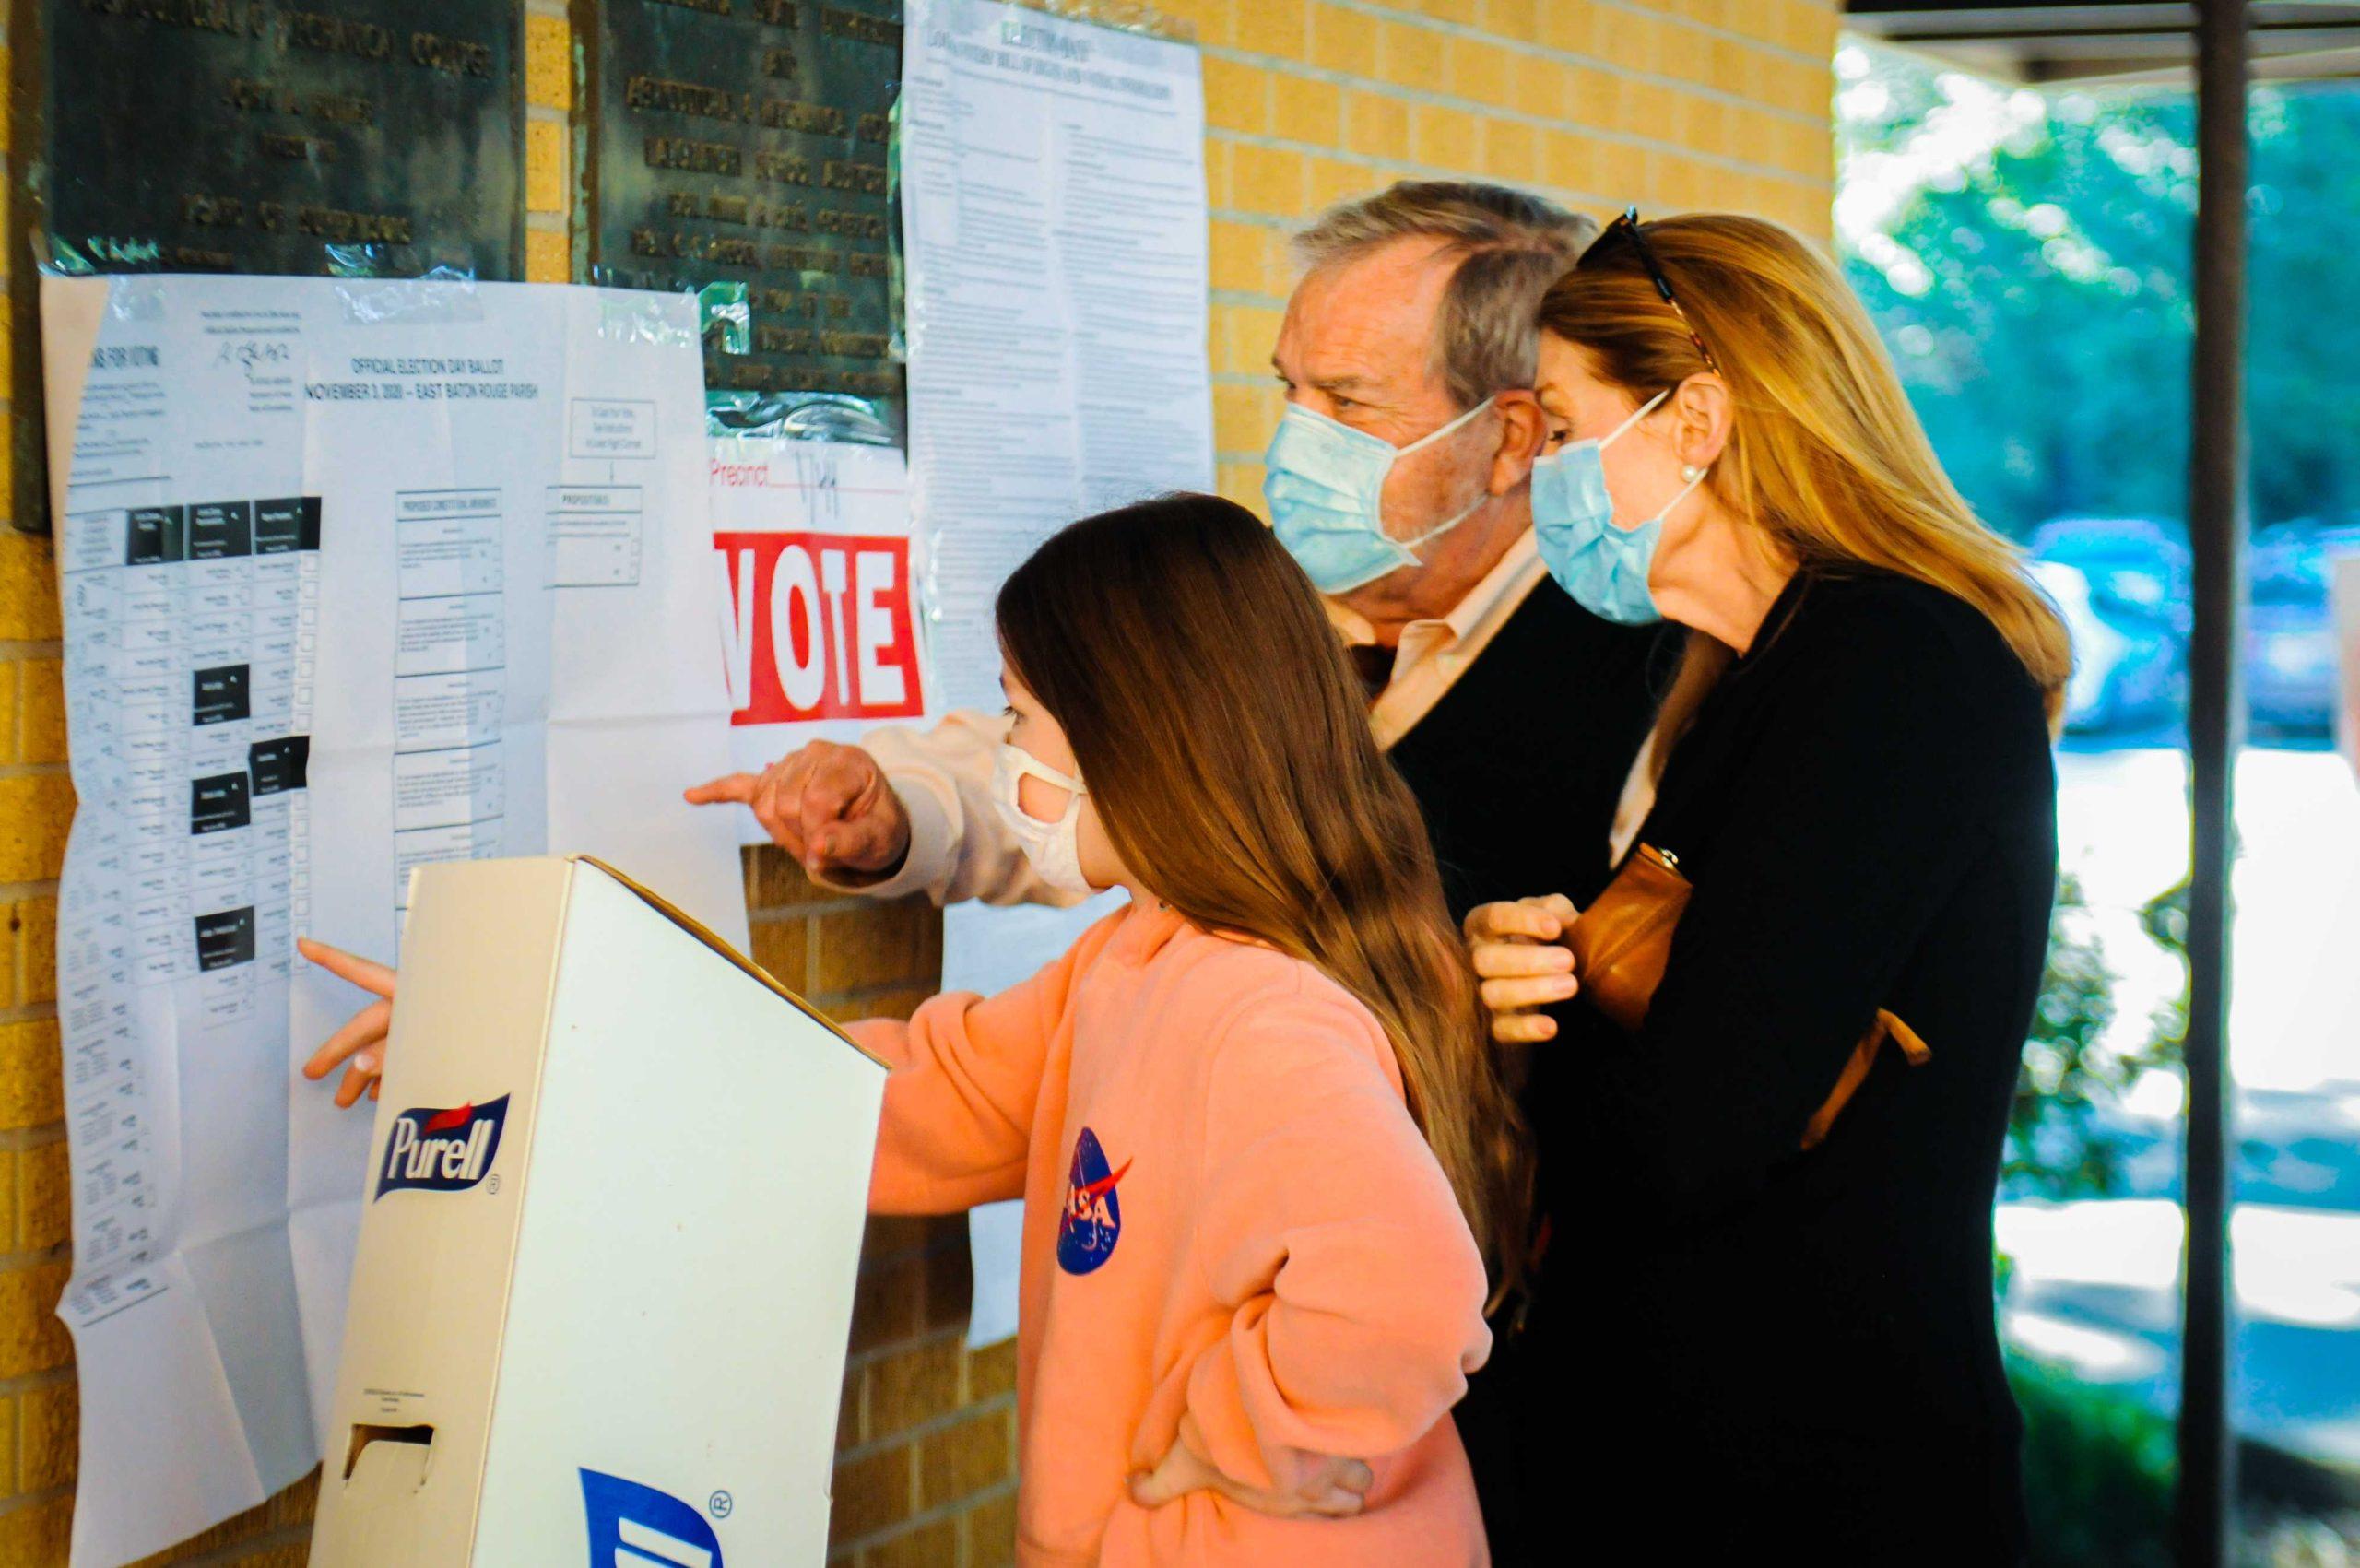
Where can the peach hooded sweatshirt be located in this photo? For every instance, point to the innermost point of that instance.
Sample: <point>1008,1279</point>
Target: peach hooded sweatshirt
<point>1229,1216</point>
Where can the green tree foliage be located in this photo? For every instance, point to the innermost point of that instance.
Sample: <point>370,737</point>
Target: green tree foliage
<point>2056,1147</point>
<point>2029,268</point>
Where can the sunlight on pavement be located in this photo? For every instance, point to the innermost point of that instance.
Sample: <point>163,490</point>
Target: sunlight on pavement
<point>2095,1288</point>
<point>2295,996</point>
<point>2298,1266</point>
<point>2093,1355</point>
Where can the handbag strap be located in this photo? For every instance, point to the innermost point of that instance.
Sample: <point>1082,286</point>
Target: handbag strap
<point>1856,1070</point>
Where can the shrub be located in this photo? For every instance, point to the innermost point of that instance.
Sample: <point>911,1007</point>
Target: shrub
<point>2099,1472</point>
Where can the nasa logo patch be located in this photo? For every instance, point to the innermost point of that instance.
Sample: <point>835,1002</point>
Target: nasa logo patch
<point>1092,1220</point>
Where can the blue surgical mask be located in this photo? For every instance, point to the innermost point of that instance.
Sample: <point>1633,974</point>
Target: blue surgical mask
<point>1603,566</point>
<point>1324,487</point>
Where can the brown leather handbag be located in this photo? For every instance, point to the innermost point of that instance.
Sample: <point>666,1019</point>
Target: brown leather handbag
<point>1623,942</point>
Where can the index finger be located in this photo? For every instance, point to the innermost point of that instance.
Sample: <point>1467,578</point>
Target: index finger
<point>1494,921</point>
<point>365,974</point>
<point>738,787</point>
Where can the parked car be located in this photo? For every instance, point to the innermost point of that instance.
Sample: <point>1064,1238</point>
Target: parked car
<point>2124,587</point>
<point>2290,629</point>
<point>2098,648</point>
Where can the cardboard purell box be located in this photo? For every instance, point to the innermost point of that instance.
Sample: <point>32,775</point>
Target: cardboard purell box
<point>609,1245</point>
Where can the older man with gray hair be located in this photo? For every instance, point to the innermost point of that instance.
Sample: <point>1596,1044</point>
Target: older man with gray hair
<point>1399,478</point>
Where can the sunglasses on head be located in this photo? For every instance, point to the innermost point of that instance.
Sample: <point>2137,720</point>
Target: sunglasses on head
<point>1628,225</point>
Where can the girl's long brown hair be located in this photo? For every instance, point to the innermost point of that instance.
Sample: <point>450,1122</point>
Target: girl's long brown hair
<point>1223,737</point>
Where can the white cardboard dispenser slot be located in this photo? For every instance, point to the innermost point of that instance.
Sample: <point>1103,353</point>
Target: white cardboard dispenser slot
<point>607,1261</point>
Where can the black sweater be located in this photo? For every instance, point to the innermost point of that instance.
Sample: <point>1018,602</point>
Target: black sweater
<point>1520,765</point>
<point>1866,807</point>
<point>1517,770</point>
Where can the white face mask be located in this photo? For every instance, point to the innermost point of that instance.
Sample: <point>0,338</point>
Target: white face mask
<point>1053,848</point>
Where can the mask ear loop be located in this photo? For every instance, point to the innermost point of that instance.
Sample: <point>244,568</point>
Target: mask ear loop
<point>1436,434</point>
<point>1689,472</point>
<point>1048,775</point>
<point>1695,476</point>
<point>1439,529</point>
<point>1021,762</point>
<point>1641,412</point>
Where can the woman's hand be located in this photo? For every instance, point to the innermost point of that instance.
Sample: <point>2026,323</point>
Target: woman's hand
<point>1518,953</point>
<point>360,1043</point>
<point>1305,1485</point>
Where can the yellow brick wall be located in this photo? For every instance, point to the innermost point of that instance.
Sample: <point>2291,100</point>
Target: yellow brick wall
<point>1672,103</point>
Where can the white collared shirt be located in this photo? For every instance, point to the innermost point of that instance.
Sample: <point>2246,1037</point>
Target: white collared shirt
<point>1433,654</point>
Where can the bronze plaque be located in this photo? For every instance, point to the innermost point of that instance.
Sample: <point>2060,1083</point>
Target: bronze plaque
<point>365,138</point>
<point>359,137</point>
<point>738,150</point>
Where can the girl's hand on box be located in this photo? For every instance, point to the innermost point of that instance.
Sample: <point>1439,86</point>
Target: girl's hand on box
<point>359,1044</point>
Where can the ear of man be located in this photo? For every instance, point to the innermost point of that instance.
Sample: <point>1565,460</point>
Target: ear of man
<point>1523,431</point>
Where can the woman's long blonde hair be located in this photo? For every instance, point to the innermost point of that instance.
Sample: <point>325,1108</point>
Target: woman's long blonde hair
<point>1222,735</point>
<point>1824,454</point>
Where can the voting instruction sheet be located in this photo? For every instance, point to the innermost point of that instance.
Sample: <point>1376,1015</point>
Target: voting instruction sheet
<point>357,575</point>
<point>1053,204</point>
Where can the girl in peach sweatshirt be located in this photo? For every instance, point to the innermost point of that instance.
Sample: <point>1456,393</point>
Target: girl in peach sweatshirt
<point>1250,1114</point>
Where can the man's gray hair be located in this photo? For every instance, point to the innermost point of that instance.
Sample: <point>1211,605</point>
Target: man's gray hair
<point>1510,244</point>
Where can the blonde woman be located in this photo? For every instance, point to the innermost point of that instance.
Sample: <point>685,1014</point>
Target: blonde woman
<point>1768,1174</point>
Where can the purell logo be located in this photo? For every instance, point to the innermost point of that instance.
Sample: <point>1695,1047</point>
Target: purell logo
<point>438,1151</point>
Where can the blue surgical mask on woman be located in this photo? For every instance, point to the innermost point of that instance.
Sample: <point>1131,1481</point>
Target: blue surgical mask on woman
<point>1603,566</point>
<point>1325,484</point>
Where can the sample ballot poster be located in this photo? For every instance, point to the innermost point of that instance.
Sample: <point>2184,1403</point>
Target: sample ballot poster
<point>819,630</point>
<point>1052,205</point>
<point>357,576</point>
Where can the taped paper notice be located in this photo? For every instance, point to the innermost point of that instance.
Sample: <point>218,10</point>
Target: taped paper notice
<point>357,577</point>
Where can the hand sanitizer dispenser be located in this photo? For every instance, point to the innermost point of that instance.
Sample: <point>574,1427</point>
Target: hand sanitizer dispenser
<point>608,1252</point>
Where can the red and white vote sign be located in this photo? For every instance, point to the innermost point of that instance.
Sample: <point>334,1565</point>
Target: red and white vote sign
<point>820,635</point>
<point>820,628</point>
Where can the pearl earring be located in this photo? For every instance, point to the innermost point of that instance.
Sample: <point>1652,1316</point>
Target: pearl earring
<point>1691,473</point>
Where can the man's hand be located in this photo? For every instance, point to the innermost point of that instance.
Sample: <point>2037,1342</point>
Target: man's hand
<point>828,805</point>
<point>1326,1486</point>
<point>1518,953</point>
<point>359,1044</point>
